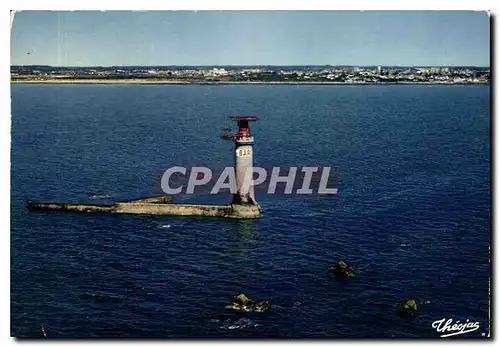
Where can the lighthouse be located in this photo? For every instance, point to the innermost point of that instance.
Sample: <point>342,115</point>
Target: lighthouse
<point>243,160</point>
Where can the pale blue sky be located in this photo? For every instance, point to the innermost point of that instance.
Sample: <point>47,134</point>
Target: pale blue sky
<point>251,38</point>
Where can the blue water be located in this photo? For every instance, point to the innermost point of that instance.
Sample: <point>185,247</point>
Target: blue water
<point>412,166</point>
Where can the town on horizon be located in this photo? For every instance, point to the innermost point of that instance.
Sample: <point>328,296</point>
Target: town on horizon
<point>325,74</point>
<point>247,66</point>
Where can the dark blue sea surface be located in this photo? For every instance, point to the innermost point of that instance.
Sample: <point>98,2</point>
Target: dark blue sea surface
<point>412,166</point>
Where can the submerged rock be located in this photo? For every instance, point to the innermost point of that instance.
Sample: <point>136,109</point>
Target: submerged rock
<point>240,323</point>
<point>42,332</point>
<point>263,306</point>
<point>407,307</point>
<point>244,304</point>
<point>341,269</point>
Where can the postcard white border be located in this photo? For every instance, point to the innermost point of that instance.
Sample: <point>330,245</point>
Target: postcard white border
<point>178,5</point>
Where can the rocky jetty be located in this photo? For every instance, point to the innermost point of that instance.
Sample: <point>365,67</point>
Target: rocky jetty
<point>244,304</point>
<point>159,206</point>
<point>407,307</point>
<point>341,269</point>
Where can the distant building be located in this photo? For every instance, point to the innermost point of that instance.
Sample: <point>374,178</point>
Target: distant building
<point>445,70</point>
<point>219,72</point>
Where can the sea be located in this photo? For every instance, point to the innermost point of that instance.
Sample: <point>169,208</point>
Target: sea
<point>412,165</point>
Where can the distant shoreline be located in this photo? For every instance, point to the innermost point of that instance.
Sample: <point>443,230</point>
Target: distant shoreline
<point>150,81</point>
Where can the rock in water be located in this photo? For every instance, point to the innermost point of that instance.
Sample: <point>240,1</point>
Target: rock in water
<point>408,306</point>
<point>239,303</point>
<point>263,306</point>
<point>42,332</point>
<point>341,269</point>
<point>241,299</point>
<point>243,303</point>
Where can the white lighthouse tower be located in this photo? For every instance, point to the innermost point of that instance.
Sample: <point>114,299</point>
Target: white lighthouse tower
<point>243,140</point>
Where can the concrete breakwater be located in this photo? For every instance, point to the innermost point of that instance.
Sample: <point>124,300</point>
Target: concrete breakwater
<point>153,208</point>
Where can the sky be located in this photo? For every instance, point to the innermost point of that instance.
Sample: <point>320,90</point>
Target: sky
<point>359,38</point>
